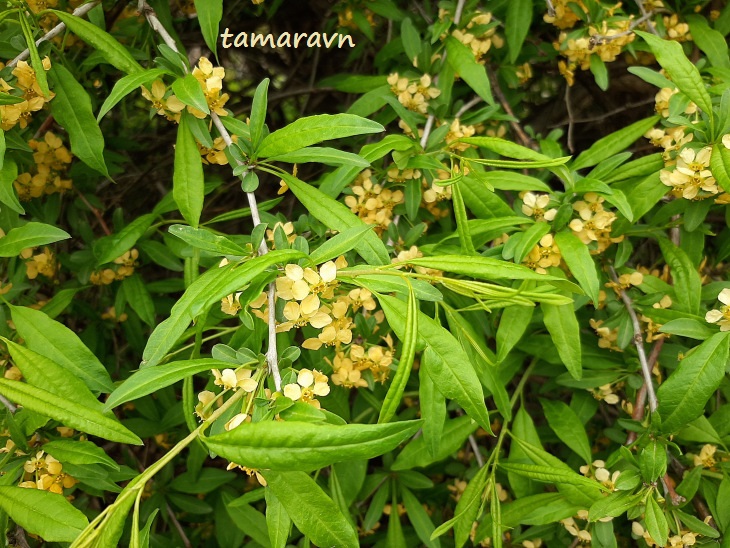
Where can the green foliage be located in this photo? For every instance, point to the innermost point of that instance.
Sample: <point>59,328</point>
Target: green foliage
<point>461,281</point>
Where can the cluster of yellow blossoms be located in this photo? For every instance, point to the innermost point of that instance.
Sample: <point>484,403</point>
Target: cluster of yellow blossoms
<point>124,267</point>
<point>562,15</point>
<point>594,222</point>
<point>39,263</point>
<point>535,205</point>
<point>607,337</point>
<point>51,163</point>
<point>474,36</point>
<point>211,82</point>
<point>349,367</point>
<point>414,95</point>
<point>721,317</point>
<point>373,203</point>
<point>706,458</point>
<point>691,178</point>
<point>309,385</point>
<point>45,473</point>
<point>681,540</point>
<point>33,99</point>
<point>543,255</point>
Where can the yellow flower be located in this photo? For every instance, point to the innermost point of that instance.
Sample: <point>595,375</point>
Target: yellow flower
<point>309,385</point>
<point>308,312</point>
<point>231,380</point>
<point>722,316</point>
<point>205,399</point>
<point>533,205</point>
<point>337,332</point>
<point>230,304</point>
<point>292,286</point>
<point>544,255</point>
<point>706,458</point>
<point>345,373</point>
<point>237,420</point>
<point>691,175</point>
<point>726,140</point>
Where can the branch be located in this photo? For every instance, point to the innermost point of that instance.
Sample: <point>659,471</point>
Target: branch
<point>55,31</point>
<point>640,402</point>
<point>7,404</point>
<point>272,358</point>
<point>638,342</point>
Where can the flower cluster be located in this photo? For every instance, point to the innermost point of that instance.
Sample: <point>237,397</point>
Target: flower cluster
<point>45,473</point>
<point>563,16</point>
<point>30,91</point>
<point>217,153</point>
<point>598,471</point>
<point>706,458</point>
<point>39,263</point>
<point>582,536</point>
<point>607,337</point>
<point>51,160</point>
<point>681,540</point>
<point>479,35</point>
<point>606,393</point>
<point>543,255</point>
<point>535,205</point>
<point>414,95</point>
<point>457,131</point>
<point>721,317</point>
<point>310,384</point>
<point>123,268</point>
<point>373,203</point>
<point>676,30</point>
<point>661,102</point>
<point>350,365</point>
<point>691,179</point>
<point>670,139</point>
<point>594,222</point>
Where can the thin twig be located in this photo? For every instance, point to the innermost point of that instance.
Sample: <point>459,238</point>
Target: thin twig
<point>550,8</point>
<point>569,108</point>
<point>475,448</point>
<point>55,31</point>
<point>466,106</point>
<point>145,9</point>
<point>516,127</point>
<point>646,14</point>
<point>7,404</point>
<point>178,527</point>
<point>675,498</point>
<point>94,211</point>
<point>638,342</point>
<point>640,403</point>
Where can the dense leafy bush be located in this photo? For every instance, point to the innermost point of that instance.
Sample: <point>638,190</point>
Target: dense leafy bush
<point>441,275</point>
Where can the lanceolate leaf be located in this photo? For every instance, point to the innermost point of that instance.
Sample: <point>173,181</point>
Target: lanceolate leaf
<point>188,181</point>
<point>29,235</point>
<point>687,282</point>
<point>550,475</point>
<point>125,86</point>
<point>311,510</point>
<point>210,288</point>
<point>58,343</point>
<point>315,129</point>
<point>67,412</point>
<point>567,426</point>
<point>42,513</point>
<point>258,112</point>
<point>109,248</point>
<point>614,143</point>
<point>8,174</point>
<point>151,379</point>
<point>455,433</point>
<point>449,366</point>
<point>101,41</point>
<point>681,70</point>
<point>72,109</point>
<point>461,59</point>
<point>564,330</point>
<point>682,397</point>
<point>79,452</point>
<point>484,268</point>
<point>337,216</point>
<point>210,13</point>
<point>189,91</point>
<point>291,445</point>
<point>519,19</point>
<point>580,262</point>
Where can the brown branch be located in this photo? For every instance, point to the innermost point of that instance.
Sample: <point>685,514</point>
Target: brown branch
<point>640,404</point>
<point>178,527</point>
<point>516,127</point>
<point>95,212</point>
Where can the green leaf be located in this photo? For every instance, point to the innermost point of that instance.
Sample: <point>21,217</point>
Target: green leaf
<point>152,379</point>
<point>315,129</point>
<point>339,244</point>
<point>686,279</point>
<point>111,247</point>
<point>139,298</point>
<point>115,54</point>
<point>613,505</point>
<point>58,343</point>
<point>206,240</point>
<point>79,452</point>
<point>528,240</point>
<point>42,372</point>
<point>467,509</point>
<point>653,461</point>
<point>711,42</point>
<point>512,326</point>
<point>419,518</point>
<point>291,445</point>
<point>408,353</point>
<point>190,92</point>
<point>208,289</point>
<point>8,196</point>
<point>600,72</point>
<point>682,397</point>
<point>449,366</point>
<point>188,181</point>
<point>720,165</point>
<point>455,433</point>
<point>382,283</point>
<point>462,221</point>
<point>210,13</point>
<point>517,25</point>
<point>35,58</point>
<point>564,330</point>
<point>43,513</point>
<point>258,113</point>
<point>548,474</point>
<point>680,70</point>
<point>311,510</point>
<point>688,327</point>
<point>411,39</point>
<point>322,155</point>
<point>510,180</point>
<point>125,86</point>
<point>278,521</point>
<point>433,410</point>
<point>656,522</point>
<point>337,216</point>
<point>568,427</point>
<point>67,412</point>
<point>461,59</point>
<point>7,99</point>
<point>651,76</point>
<point>29,235</point>
<point>613,143</point>
<point>580,262</point>
<point>72,109</point>
<point>484,268</point>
